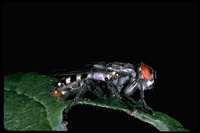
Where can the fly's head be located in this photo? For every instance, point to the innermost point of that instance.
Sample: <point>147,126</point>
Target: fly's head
<point>146,76</point>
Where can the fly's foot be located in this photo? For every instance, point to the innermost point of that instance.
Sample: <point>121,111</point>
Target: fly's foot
<point>149,111</point>
<point>65,123</point>
<point>145,108</point>
<point>133,111</point>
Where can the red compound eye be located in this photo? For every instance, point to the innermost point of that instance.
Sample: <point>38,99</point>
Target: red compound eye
<point>146,73</point>
<point>56,93</point>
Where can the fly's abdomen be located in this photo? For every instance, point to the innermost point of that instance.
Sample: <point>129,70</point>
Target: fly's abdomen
<point>71,79</point>
<point>69,85</point>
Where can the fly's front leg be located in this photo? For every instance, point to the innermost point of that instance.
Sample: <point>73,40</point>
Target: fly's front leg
<point>129,90</point>
<point>142,101</point>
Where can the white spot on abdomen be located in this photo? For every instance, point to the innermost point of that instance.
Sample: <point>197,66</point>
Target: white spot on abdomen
<point>78,77</point>
<point>68,80</point>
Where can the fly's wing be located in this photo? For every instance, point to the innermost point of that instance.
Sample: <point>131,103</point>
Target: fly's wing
<point>67,72</point>
<point>86,69</point>
<point>62,73</point>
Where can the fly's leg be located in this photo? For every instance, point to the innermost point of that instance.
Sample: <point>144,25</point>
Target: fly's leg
<point>132,100</point>
<point>129,90</point>
<point>97,89</point>
<point>143,103</point>
<point>114,90</point>
<point>88,83</point>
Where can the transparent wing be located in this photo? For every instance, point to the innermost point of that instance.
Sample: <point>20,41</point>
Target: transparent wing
<point>66,72</point>
<point>75,72</point>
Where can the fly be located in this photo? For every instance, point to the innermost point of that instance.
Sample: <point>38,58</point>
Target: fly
<point>113,79</point>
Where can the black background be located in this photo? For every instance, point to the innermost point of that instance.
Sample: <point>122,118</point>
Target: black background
<point>46,36</point>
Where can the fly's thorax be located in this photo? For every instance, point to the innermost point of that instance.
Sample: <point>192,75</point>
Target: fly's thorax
<point>122,68</point>
<point>101,76</point>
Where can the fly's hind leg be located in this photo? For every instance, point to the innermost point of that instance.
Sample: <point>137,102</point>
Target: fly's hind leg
<point>87,84</point>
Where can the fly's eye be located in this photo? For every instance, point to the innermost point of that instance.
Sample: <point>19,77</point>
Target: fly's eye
<point>56,93</point>
<point>145,71</point>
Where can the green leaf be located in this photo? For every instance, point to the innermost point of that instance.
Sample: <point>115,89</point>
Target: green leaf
<point>29,106</point>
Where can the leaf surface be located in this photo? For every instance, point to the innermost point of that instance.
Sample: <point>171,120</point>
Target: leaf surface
<point>29,106</point>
